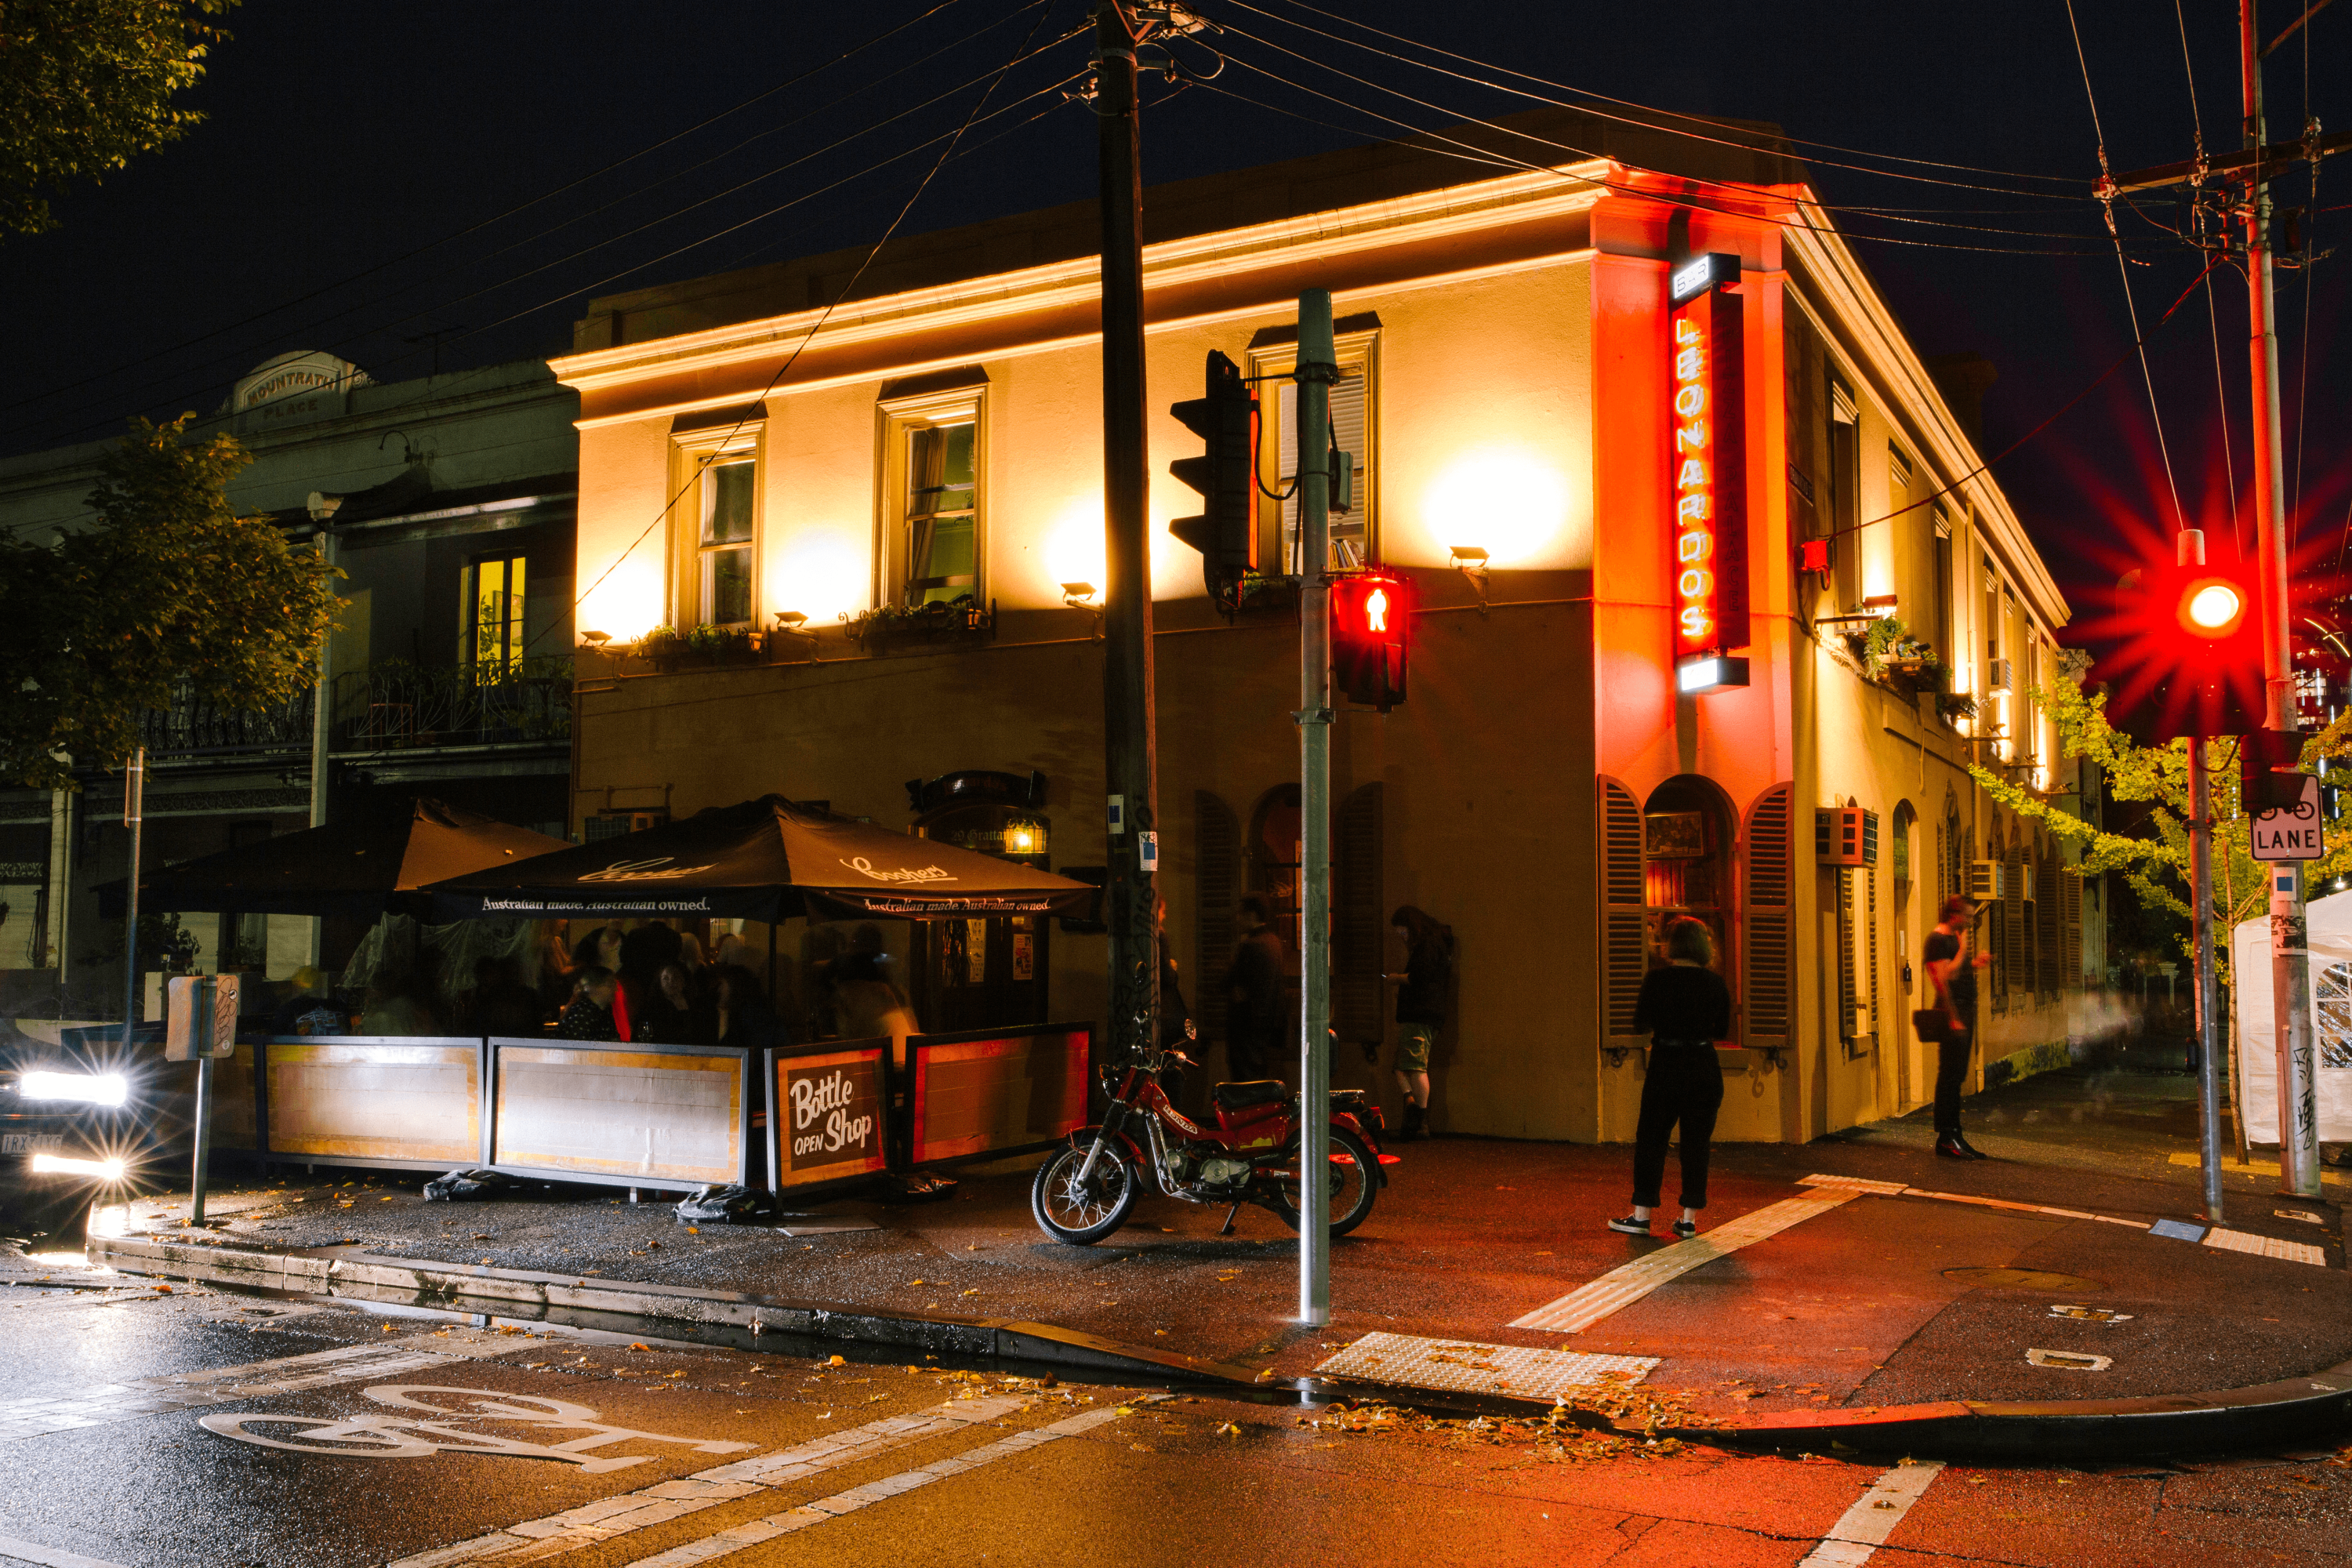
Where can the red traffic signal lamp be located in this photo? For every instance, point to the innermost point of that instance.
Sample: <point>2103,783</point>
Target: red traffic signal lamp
<point>1371,636</point>
<point>2181,648</point>
<point>1223,474</point>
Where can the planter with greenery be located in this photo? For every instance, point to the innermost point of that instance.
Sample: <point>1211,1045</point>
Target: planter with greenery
<point>949,621</point>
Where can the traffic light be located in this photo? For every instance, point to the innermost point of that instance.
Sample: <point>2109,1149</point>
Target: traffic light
<point>2270,776</point>
<point>1223,474</point>
<point>1372,632</point>
<point>2181,648</point>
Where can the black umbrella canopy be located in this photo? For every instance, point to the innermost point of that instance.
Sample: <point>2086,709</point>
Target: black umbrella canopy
<point>357,868</point>
<point>764,859</point>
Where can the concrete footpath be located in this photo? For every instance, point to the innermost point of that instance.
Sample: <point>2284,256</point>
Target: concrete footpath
<point>2064,1298</point>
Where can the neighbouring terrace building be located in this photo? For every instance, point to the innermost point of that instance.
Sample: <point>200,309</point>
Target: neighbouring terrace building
<point>447,503</point>
<point>1647,436</point>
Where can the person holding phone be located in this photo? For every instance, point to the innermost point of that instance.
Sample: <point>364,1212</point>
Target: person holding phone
<point>1953,972</point>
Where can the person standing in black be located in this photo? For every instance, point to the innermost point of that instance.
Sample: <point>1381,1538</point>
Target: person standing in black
<point>1422,990</point>
<point>1954,975</point>
<point>1685,1007</point>
<point>1255,1016</point>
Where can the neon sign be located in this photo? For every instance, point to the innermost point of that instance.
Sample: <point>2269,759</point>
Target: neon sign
<point>1707,458</point>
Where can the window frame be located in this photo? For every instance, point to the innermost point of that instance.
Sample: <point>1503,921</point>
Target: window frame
<point>1358,351</point>
<point>693,454</point>
<point>517,629</point>
<point>897,419</point>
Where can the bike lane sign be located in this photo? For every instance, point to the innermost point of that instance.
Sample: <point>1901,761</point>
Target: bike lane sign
<point>2291,833</point>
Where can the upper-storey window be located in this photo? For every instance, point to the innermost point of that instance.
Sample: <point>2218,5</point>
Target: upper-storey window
<point>934,450</point>
<point>717,518</point>
<point>1355,411</point>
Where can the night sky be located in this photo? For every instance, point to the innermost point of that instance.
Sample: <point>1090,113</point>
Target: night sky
<point>355,186</point>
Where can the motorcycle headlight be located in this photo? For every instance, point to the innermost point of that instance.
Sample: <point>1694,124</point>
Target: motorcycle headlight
<point>88,1089</point>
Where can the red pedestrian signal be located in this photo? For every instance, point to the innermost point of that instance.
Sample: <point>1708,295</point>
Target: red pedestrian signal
<point>2181,648</point>
<point>1372,632</point>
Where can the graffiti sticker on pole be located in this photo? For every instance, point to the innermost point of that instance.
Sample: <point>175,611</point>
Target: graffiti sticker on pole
<point>2295,832</point>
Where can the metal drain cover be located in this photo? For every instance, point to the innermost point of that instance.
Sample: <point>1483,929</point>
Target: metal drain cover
<point>2020,1279</point>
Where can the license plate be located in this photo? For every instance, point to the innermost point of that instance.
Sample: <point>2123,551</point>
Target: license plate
<point>32,1142</point>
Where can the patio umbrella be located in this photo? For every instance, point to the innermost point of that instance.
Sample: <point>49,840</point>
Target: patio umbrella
<point>360,866</point>
<point>765,859</point>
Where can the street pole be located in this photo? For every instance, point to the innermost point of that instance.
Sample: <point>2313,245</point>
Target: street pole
<point>1129,765</point>
<point>1318,368</point>
<point>134,800</point>
<point>2200,899</point>
<point>2298,1110</point>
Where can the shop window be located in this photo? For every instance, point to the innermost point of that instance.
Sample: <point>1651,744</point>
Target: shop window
<point>934,485</point>
<point>1355,418</point>
<point>491,595</point>
<point>716,523</point>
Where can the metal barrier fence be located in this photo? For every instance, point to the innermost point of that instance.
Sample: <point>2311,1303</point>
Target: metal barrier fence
<point>793,1118</point>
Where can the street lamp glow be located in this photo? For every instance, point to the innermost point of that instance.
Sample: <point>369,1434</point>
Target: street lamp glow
<point>90,1088</point>
<point>2215,605</point>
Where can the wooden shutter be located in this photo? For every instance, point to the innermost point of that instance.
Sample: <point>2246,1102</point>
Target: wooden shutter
<point>1769,919</point>
<point>1846,982</point>
<point>2013,957</point>
<point>1624,917</point>
<point>1216,889</point>
<point>2048,960</point>
<point>1867,1038</point>
<point>1357,929</point>
<point>2069,914</point>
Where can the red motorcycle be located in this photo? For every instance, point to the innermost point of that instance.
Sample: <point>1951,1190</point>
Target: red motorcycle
<point>1090,1186</point>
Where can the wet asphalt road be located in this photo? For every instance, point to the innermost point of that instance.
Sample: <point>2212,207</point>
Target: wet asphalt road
<point>113,1402</point>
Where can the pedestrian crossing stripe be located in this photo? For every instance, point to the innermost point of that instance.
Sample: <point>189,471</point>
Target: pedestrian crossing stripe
<point>1623,1286</point>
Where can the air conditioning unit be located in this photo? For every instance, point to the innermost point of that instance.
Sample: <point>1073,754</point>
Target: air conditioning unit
<point>606,825</point>
<point>1991,880</point>
<point>1997,675</point>
<point>1845,835</point>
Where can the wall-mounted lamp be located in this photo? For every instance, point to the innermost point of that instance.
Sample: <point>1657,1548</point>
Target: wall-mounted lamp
<point>1471,562</point>
<point>596,639</point>
<point>1078,596</point>
<point>1884,604</point>
<point>792,624</point>
<point>790,620</point>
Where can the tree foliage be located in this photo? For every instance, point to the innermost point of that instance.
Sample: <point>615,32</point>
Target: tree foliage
<point>2155,865</point>
<point>86,85</point>
<point>169,593</point>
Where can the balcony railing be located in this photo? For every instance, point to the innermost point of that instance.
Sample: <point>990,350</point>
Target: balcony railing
<point>397,706</point>
<point>189,726</point>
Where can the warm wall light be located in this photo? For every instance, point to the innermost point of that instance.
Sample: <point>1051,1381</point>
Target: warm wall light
<point>1886,604</point>
<point>1512,504</point>
<point>1471,562</point>
<point>1078,596</point>
<point>790,620</point>
<point>595,639</point>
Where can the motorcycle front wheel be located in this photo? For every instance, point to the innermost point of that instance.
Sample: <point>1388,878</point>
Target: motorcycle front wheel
<point>1082,1214</point>
<point>1353,1185</point>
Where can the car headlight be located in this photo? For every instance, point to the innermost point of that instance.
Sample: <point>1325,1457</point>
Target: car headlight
<point>90,1088</point>
<point>65,1165</point>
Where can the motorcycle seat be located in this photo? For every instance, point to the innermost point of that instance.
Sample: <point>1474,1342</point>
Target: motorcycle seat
<point>1254,1092</point>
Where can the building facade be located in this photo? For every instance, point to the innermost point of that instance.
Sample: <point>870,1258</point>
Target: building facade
<point>447,503</point>
<point>829,545</point>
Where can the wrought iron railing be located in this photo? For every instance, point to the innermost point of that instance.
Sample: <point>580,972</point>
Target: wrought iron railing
<point>396,706</point>
<point>192,726</point>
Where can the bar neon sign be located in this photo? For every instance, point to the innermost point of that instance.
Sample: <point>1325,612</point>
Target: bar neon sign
<point>1708,458</point>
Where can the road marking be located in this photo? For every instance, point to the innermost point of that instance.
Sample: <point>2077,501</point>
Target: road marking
<point>378,1436</point>
<point>48,1556</point>
<point>2252,1167</point>
<point>604,1520</point>
<point>101,1403</point>
<point>1622,1286</point>
<point>1464,1365</point>
<point>1864,1527</point>
<point>808,1514</point>
<point>2176,1230</point>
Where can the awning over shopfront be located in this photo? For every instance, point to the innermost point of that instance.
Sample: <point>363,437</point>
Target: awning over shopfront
<point>766,859</point>
<point>358,867</point>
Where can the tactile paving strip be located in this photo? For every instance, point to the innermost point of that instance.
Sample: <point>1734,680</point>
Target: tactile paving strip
<point>1464,1366</point>
<point>2266,1247</point>
<point>1623,1286</point>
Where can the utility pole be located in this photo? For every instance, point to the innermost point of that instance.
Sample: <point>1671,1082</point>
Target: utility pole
<point>1317,369</point>
<point>2298,1110</point>
<point>134,800</point>
<point>2209,991</point>
<point>1130,763</point>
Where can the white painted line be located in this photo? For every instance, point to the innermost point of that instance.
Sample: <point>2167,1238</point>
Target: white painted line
<point>1863,1528</point>
<point>48,1556</point>
<point>1863,1183</point>
<point>609,1517</point>
<point>1463,1365</point>
<point>1623,1286</point>
<point>2266,1247</point>
<point>758,1531</point>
